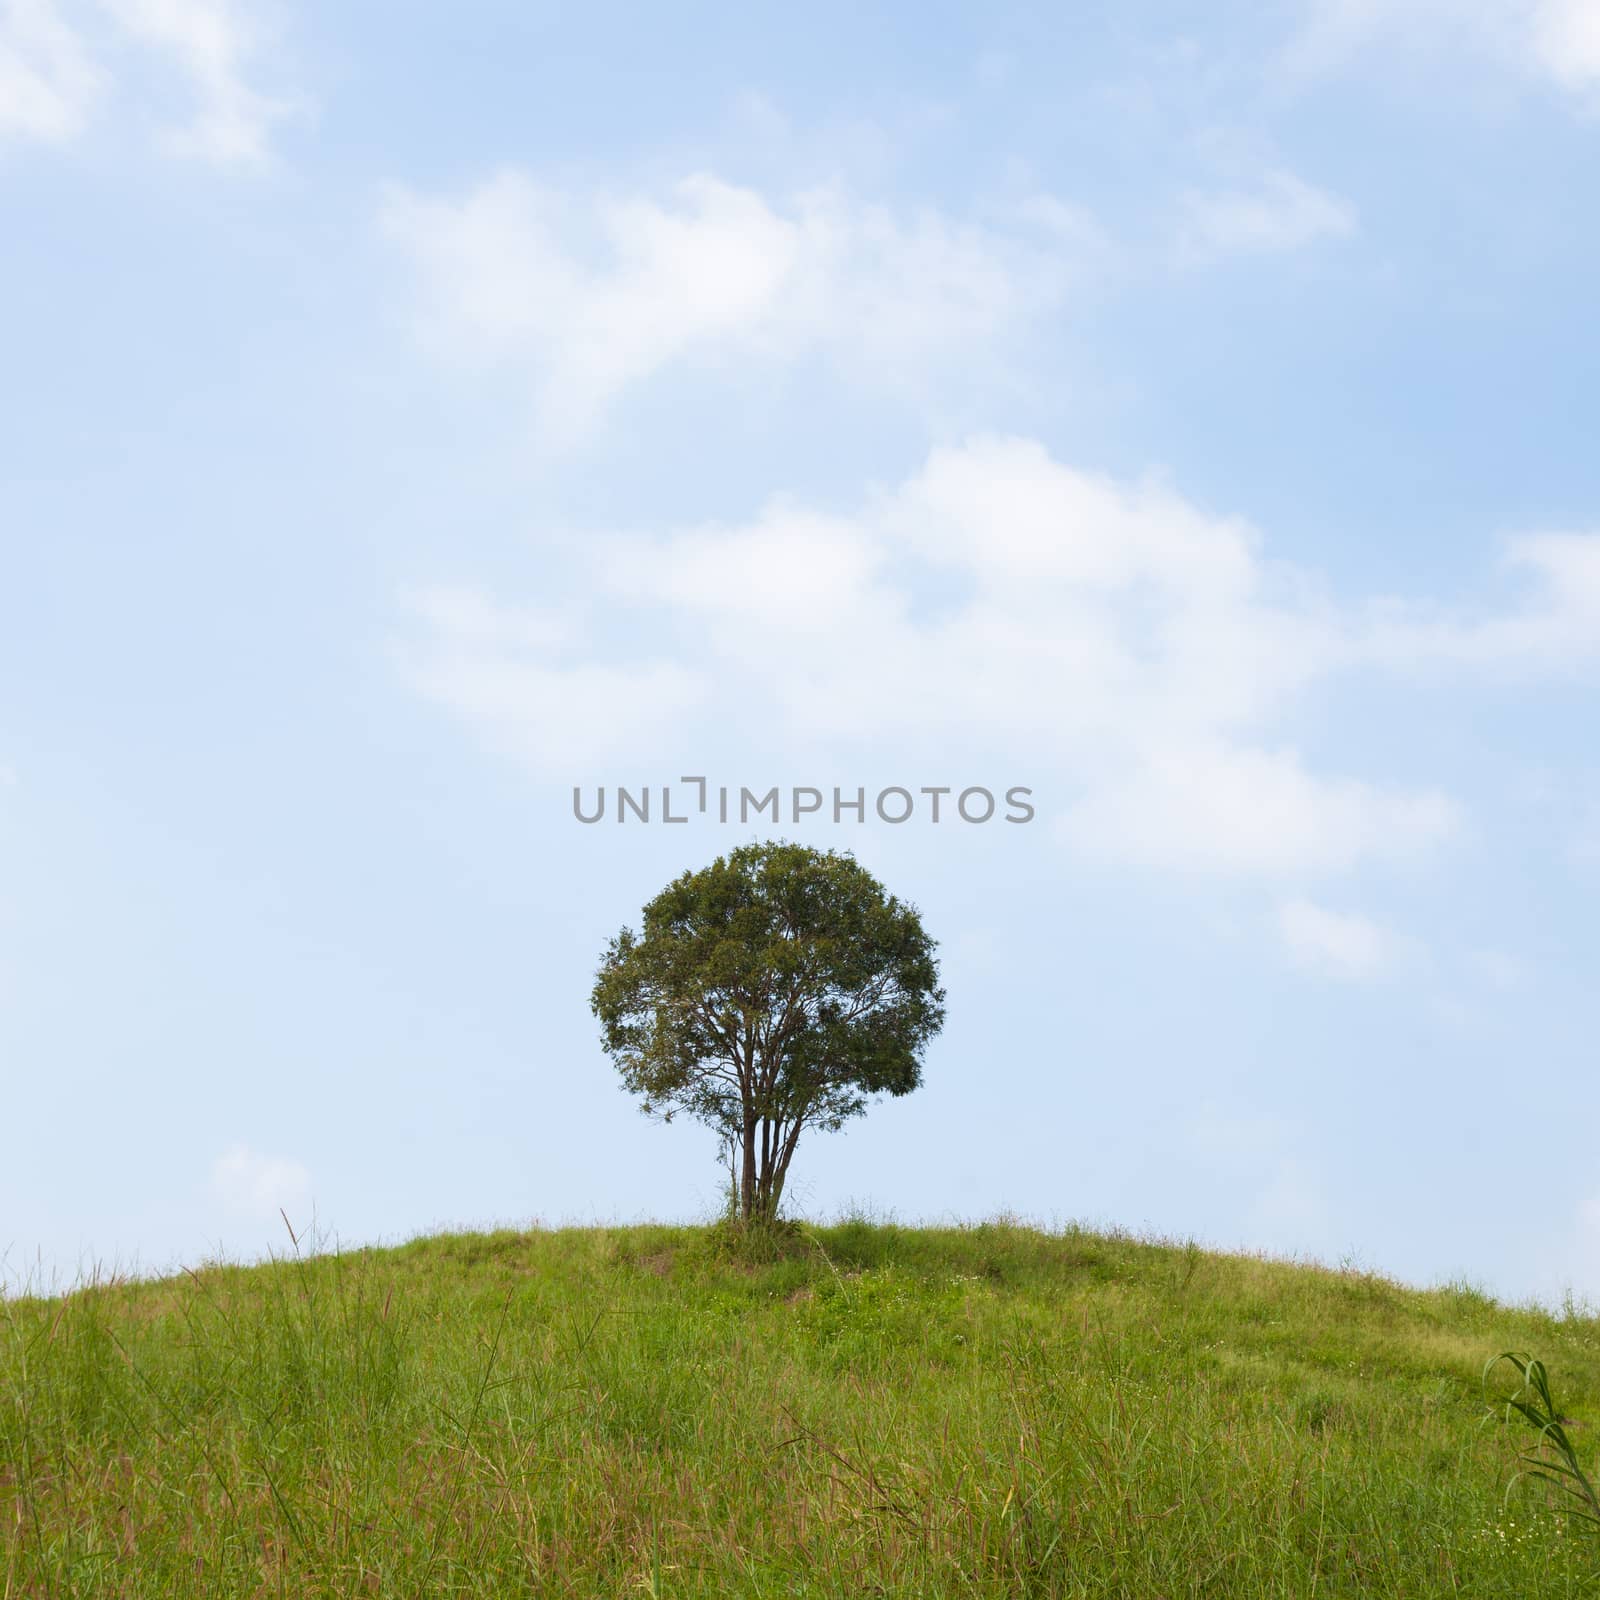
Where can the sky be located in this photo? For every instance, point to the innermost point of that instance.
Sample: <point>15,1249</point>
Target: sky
<point>414,414</point>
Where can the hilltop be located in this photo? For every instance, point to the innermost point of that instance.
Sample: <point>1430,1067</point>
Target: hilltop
<point>870,1410</point>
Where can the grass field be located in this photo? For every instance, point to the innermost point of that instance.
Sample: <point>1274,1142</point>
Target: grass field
<point>986,1411</point>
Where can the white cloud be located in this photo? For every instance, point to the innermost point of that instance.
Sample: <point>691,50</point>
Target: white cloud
<point>1278,213</point>
<point>515,675</point>
<point>591,295</point>
<point>1239,809</point>
<point>1338,944</point>
<point>1265,1152</point>
<point>51,81</point>
<point>1565,41</point>
<point>259,1186</point>
<point>1554,40</point>
<point>467,617</point>
<point>212,43</point>
<point>1332,30</point>
<point>48,83</point>
<point>1139,657</point>
<point>1556,628</point>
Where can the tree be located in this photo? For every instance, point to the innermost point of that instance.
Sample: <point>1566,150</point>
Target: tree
<point>778,989</point>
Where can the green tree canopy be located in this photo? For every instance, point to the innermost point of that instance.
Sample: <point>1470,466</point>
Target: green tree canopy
<point>778,989</point>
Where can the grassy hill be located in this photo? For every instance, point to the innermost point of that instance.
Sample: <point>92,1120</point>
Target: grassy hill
<point>986,1411</point>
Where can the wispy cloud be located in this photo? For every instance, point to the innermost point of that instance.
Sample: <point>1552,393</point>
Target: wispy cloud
<point>592,294</point>
<point>520,677</point>
<point>1144,653</point>
<point>1265,1152</point>
<point>259,1186</point>
<point>1279,212</point>
<point>1555,627</point>
<point>1565,41</point>
<point>1341,944</point>
<point>212,43</point>
<point>60,65</point>
<point>49,85</point>
<point>1555,41</point>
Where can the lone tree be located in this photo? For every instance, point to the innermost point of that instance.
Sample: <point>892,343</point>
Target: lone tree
<point>777,989</point>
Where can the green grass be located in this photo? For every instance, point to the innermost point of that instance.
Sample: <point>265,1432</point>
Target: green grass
<point>985,1411</point>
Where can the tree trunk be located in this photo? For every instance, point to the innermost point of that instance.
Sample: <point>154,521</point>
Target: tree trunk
<point>747,1186</point>
<point>780,1167</point>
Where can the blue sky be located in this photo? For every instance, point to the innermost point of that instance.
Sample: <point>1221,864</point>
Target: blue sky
<point>1186,412</point>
